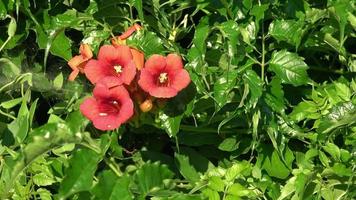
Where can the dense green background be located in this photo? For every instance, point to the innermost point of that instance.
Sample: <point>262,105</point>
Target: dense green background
<point>270,113</point>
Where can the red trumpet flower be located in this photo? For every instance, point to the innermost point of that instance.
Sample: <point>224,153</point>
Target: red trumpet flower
<point>112,61</point>
<point>110,106</point>
<point>164,77</point>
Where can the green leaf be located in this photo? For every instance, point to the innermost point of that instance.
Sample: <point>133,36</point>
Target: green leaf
<point>79,175</point>
<point>170,124</point>
<point>275,95</point>
<point>288,189</point>
<point>255,85</point>
<point>11,103</point>
<point>43,179</point>
<point>222,87</point>
<point>186,169</point>
<point>290,31</point>
<point>211,194</point>
<point>237,169</point>
<point>112,187</point>
<point>229,144</point>
<point>148,42</point>
<point>12,27</point>
<point>333,150</point>
<point>151,176</point>
<point>238,190</point>
<point>58,81</point>
<point>20,126</point>
<point>9,69</point>
<point>44,194</point>
<point>200,35</point>
<point>289,67</point>
<point>216,183</point>
<point>270,161</point>
<point>341,170</point>
<point>340,115</point>
<point>57,43</point>
<point>259,12</point>
<point>138,6</point>
<point>76,121</point>
<point>324,159</point>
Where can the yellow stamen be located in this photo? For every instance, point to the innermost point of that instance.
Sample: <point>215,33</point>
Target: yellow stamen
<point>118,68</point>
<point>163,77</point>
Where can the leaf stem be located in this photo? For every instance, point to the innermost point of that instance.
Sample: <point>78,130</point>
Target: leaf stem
<point>263,57</point>
<point>7,115</point>
<point>6,41</point>
<point>112,166</point>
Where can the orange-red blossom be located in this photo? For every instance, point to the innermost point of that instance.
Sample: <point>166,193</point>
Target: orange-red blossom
<point>78,62</point>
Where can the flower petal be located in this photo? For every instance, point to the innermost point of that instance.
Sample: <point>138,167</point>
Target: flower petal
<point>146,81</point>
<point>124,55</point>
<point>75,62</point>
<point>96,69</point>
<point>89,108</point>
<point>180,80</point>
<point>129,31</point>
<point>128,73</point>
<point>85,51</point>
<point>73,75</point>
<point>110,81</point>
<point>174,62</point>
<point>155,64</point>
<point>126,110</point>
<point>138,58</point>
<point>163,92</point>
<point>119,93</point>
<point>101,91</point>
<point>109,54</point>
<point>109,122</point>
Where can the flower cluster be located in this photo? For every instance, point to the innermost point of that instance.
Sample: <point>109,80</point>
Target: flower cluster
<point>122,79</point>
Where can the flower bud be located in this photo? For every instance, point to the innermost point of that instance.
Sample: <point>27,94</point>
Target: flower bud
<point>146,106</point>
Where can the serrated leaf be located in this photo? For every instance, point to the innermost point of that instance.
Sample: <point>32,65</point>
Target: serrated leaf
<point>275,166</point>
<point>111,187</point>
<point>150,177</point>
<point>275,95</point>
<point>42,179</point>
<point>186,169</point>
<point>339,116</point>
<point>290,31</point>
<point>170,124</point>
<point>79,175</point>
<point>289,67</point>
<point>148,42</point>
<point>44,194</point>
<point>254,83</point>
<point>238,190</point>
<point>222,87</point>
<point>216,183</point>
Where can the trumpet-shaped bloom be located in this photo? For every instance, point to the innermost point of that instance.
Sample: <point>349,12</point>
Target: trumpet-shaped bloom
<point>112,61</point>
<point>110,106</point>
<point>164,77</point>
<point>77,63</point>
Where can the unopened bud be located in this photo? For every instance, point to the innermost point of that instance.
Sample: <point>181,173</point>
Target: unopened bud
<point>146,106</point>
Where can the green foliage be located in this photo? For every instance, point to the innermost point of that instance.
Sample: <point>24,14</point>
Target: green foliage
<point>270,112</point>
